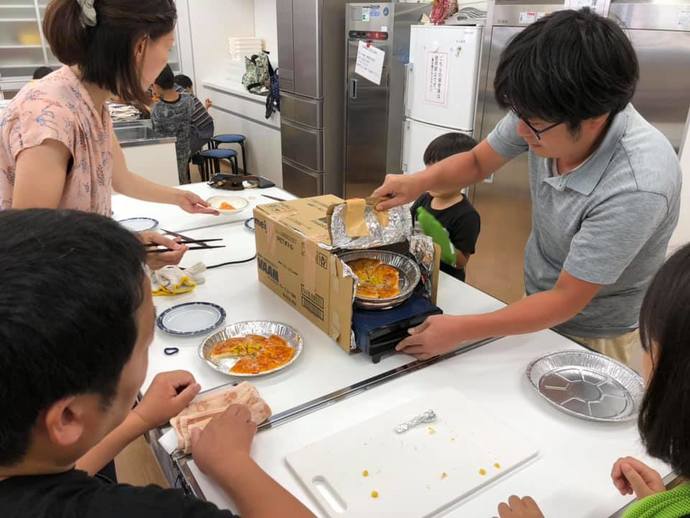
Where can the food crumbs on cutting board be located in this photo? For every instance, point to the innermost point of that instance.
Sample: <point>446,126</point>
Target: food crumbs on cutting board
<point>365,473</point>
<point>452,439</point>
<point>374,494</point>
<point>431,430</point>
<point>497,466</point>
<point>482,472</point>
<point>444,475</point>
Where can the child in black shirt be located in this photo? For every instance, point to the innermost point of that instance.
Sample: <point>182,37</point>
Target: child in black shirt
<point>76,321</point>
<point>452,209</point>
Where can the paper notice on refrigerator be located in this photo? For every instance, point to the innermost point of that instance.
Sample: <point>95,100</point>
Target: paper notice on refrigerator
<point>598,6</point>
<point>436,89</point>
<point>370,62</point>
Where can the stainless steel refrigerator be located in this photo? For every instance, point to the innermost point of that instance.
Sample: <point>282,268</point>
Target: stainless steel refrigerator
<point>310,47</point>
<point>374,112</point>
<point>660,34</point>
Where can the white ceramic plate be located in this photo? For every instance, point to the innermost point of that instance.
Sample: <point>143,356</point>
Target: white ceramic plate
<point>139,224</point>
<point>239,204</point>
<point>191,319</point>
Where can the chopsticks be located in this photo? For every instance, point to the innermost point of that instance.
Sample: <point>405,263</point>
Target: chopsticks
<point>152,248</point>
<point>163,250</point>
<point>273,197</point>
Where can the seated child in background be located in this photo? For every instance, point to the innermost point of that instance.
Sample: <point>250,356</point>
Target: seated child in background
<point>172,117</point>
<point>202,122</point>
<point>41,72</point>
<point>664,419</point>
<point>69,381</point>
<point>452,209</point>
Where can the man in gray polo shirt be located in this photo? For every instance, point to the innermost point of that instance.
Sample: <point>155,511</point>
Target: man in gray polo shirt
<point>605,188</point>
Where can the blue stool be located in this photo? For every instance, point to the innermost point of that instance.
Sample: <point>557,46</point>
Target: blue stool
<point>214,156</point>
<point>231,138</point>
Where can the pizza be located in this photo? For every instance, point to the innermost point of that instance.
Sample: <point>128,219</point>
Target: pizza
<point>204,408</point>
<point>377,280</point>
<point>255,353</point>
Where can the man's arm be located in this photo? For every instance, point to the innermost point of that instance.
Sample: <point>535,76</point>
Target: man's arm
<point>440,334</point>
<point>457,171</point>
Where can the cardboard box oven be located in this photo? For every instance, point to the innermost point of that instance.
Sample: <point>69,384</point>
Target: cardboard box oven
<point>294,260</point>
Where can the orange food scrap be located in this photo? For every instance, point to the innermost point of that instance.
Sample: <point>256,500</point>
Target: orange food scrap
<point>226,206</point>
<point>482,472</point>
<point>365,473</point>
<point>444,475</point>
<point>497,466</point>
<point>374,494</point>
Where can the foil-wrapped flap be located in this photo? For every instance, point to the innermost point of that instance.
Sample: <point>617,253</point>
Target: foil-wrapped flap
<point>356,225</point>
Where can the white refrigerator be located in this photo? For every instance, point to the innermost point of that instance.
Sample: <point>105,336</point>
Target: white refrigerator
<point>441,87</point>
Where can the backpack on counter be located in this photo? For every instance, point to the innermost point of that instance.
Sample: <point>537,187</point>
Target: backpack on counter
<point>257,75</point>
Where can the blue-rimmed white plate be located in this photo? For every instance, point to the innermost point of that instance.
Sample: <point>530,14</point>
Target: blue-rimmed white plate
<point>139,224</point>
<point>191,319</point>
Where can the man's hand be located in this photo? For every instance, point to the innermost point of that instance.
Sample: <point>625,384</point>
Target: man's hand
<point>168,395</point>
<point>398,189</point>
<point>437,335</point>
<point>225,440</point>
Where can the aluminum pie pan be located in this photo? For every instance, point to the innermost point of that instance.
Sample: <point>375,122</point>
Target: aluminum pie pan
<point>587,385</point>
<point>409,276</point>
<point>250,327</point>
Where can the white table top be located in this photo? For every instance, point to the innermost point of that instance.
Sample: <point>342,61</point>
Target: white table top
<point>570,476</point>
<point>173,218</point>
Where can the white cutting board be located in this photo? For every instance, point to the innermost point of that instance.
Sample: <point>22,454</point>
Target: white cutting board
<point>418,473</point>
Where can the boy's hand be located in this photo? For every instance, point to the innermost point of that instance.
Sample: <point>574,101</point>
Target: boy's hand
<point>208,103</point>
<point>226,439</point>
<point>398,189</point>
<point>630,476</point>
<point>519,508</point>
<point>168,395</point>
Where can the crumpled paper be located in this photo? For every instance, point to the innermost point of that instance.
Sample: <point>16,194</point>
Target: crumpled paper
<point>173,280</point>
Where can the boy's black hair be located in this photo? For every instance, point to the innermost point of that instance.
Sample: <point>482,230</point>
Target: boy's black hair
<point>447,145</point>
<point>71,285</point>
<point>41,72</point>
<point>166,79</point>
<point>567,67</point>
<point>664,419</point>
<point>183,81</point>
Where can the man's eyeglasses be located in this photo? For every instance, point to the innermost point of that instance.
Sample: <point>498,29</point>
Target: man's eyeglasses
<point>537,132</point>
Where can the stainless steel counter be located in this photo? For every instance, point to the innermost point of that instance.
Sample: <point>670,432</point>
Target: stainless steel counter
<point>138,133</point>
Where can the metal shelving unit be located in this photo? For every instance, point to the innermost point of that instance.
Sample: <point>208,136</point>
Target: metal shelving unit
<point>23,47</point>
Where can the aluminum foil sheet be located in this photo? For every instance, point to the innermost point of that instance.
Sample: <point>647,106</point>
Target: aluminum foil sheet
<point>252,327</point>
<point>409,276</point>
<point>422,248</point>
<point>427,417</point>
<point>399,229</point>
<point>587,385</point>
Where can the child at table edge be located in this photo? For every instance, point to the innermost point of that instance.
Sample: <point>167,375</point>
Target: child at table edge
<point>664,418</point>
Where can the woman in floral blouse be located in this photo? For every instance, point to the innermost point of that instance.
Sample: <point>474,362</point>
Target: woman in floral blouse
<point>57,144</point>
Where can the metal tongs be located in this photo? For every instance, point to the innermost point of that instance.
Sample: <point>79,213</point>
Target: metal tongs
<point>427,417</point>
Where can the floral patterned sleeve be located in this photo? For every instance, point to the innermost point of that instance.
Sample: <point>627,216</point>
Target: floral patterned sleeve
<point>37,119</point>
